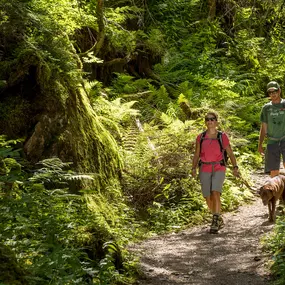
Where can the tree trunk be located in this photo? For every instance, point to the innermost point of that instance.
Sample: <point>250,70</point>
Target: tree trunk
<point>212,9</point>
<point>58,120</point>
<point>101,30</point>
<point>43,99</point>
<point>69,129</point>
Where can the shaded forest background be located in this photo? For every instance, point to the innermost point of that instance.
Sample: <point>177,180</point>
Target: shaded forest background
<point>100,105</point>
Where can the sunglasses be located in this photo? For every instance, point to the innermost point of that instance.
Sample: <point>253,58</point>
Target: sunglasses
<point>272,92</point>
<point>210,119</point>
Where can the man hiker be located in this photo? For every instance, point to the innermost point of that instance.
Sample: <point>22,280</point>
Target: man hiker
<point>272,119</point>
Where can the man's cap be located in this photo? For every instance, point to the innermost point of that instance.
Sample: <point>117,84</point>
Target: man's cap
<point>273,86</point>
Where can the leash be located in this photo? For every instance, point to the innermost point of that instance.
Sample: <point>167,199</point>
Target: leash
<point>245,182</point>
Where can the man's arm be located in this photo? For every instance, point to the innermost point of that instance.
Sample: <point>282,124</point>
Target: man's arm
<point>262,134</point>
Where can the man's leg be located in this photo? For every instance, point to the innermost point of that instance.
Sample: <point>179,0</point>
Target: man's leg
<point>273,158</point>
<point>274,173</point>
<point>282,146</point>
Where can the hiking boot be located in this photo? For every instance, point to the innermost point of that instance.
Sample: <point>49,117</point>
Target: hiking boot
<point>221,222</point>
<point>215,224</point>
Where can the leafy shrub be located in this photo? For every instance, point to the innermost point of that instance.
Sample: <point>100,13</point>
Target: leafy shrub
<point>274,244</point>
<point>58,237</point>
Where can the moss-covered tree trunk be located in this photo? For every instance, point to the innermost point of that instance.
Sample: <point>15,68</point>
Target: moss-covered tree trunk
<point>61,123</point>
<point>69,129</point>
<point>43,99</point>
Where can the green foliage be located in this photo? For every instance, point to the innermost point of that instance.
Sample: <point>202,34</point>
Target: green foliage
<point>10,269</point>
<point>14,115</point>
<point>37,224</point>
<point>275,245</point>
<point>175,18</point>
<point>234,193</point>
<point>156,176</point>
<point>179,204</point>
<point>58,237</point>
<point>248,48</point>
<point>222,63</point>
<point>118,111</point>
<point>155,42</point>
<point>126,84</point>
<point>45,234</point>
<point>41,38</point>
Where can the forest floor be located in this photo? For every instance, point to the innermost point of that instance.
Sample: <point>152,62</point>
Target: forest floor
<point>194,256</point>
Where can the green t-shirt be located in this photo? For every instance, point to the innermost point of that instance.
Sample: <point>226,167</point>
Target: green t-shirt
<point>274,116</point>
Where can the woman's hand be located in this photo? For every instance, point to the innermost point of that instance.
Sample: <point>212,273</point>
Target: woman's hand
<point>194,172</point>
<point>235,172</point>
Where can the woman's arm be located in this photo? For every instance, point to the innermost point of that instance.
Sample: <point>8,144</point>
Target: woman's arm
<point>233,160</point>
<point>196,158</point>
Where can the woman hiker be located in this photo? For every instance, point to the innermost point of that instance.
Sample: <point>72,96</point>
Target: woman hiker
<point>212,147</point>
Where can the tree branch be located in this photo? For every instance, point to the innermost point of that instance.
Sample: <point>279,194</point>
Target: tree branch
<point>101,35</point>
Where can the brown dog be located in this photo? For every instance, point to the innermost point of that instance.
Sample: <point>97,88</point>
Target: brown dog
<point>270,192</point>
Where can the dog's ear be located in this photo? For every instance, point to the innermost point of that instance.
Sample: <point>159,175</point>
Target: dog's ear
<point>259,190</point>
<point>268,187</point>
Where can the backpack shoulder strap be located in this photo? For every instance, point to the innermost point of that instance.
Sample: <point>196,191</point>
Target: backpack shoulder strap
<point>223,150</point>
<point>201,139</point>
<point>203,135</point>
<point>220,139</point>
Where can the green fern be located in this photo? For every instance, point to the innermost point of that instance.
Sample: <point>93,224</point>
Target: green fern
<point>130,138</point>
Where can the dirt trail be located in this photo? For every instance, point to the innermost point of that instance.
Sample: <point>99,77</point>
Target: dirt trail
<point>196,257</point>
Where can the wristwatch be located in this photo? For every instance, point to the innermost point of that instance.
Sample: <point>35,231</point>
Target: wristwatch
<point>235,167</point>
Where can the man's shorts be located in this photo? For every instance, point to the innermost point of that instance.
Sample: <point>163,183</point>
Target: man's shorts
<point>273,155</point>
<point>212,181</point>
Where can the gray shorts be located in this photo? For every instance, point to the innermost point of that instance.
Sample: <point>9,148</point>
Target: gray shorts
<point>273,156</point>
<point>212,181</point>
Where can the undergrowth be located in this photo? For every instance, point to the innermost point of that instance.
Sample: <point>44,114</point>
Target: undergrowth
<point>57,237</point>
<point>62,238</point>
<point>274,246</point>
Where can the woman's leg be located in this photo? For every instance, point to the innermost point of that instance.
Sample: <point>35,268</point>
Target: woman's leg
<point>217,221</point>
<point>209,202</point>
<point>216,202</point>
<point>206,181</point>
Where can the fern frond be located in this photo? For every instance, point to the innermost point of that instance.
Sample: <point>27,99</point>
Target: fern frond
<point>130,138</point>
<point>80,177</point>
